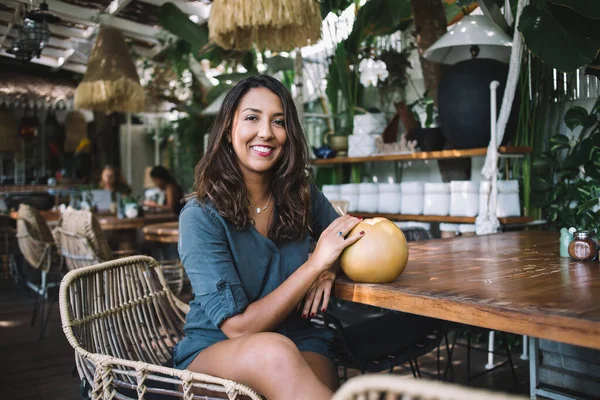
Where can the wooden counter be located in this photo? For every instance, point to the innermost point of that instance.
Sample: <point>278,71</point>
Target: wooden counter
<point>514,282</point>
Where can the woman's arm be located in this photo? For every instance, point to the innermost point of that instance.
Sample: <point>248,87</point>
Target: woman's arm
<point>265,314</point>
<point>170,200</point>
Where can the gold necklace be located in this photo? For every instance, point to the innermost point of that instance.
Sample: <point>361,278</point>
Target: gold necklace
<point>259,210</point>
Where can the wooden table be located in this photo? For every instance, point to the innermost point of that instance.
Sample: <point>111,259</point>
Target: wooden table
<point>167,232</point>
<point>514,282</point>
<point>112,223</point>
<point>122,234</point>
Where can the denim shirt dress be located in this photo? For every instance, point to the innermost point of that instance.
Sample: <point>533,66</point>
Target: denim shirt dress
<point>230,268</point>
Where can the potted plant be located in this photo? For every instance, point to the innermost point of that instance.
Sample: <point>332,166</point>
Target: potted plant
<point>566,181</point>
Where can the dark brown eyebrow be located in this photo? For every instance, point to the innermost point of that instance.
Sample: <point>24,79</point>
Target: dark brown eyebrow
<point>256,110</point>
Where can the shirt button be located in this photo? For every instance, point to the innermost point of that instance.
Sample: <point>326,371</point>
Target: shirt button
<point>221,285</point>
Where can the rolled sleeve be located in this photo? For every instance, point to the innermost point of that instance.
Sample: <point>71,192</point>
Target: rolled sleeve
<point>206,256</point>
<point>322,212</point>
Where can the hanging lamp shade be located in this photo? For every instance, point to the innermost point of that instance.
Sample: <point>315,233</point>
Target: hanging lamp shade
<point>111,82</point>
<point>474,36</point>
<point>277,25</point>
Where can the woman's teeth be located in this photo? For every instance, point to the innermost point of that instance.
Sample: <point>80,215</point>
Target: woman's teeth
<point>262,149</point>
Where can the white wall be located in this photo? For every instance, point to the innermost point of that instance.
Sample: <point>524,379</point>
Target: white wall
<point>143,156</point>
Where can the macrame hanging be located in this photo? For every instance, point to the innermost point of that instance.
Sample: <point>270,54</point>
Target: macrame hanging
<point>277,25</point>
<point>487,221</point>
<point>111,82</point>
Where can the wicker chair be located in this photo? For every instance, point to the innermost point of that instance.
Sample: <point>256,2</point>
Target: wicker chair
<point>82,243</point>
<point>123,322</point>
<point>39,250</point>
<point>390,387</point>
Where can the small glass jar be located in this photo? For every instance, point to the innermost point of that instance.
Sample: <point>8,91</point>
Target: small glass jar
<point>583,247</point>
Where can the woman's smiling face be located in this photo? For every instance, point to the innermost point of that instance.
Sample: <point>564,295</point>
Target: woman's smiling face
<point>258,135</point>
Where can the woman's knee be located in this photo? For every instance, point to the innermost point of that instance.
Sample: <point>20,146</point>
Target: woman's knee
<point>271,350</point>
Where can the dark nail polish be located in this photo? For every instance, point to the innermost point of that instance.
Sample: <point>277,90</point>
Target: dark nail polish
<point>304,316</point>
<point>362,233</point>
<point>312,314</point>
<point>323,310</point>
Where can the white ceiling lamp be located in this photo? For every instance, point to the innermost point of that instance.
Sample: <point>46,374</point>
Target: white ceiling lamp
<point>474,36</point>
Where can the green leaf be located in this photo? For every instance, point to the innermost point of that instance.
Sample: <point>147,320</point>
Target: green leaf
<point>334,6</point>
<point>587,8</point>
<point>575,116</point>
<point>216,91</point>
<point>583,152</point>
<point>543,161</point>
<point>560,37</point>
<point>596,108</point>
<point>279,63</point>
<point>235,76</point>
<point>177,22</point>
<point>587,205</point>
<point>558,142</point>
<point>376,18</point>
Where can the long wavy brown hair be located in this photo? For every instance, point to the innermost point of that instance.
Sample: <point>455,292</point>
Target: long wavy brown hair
<point>219,178</point>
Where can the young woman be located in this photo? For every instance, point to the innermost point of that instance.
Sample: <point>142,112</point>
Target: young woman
<point>244,242</point>
<point>112,180</point>
<point>163,180</point>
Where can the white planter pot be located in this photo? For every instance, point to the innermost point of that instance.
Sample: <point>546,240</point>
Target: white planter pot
<point>464,198</point>
<point>369,124</point>
<point>390,198</point>
<point>412,198</point>
<point>508,204</point>
<point>349,192</point>
<point>368,197</point>
<point>361,145</point>
<point>332,192</point>
<point>437,199</point>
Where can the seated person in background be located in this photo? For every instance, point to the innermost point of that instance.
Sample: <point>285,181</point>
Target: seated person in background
<point>113,181</point>
<point>163,180</point>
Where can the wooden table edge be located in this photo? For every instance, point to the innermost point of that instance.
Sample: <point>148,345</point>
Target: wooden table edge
<point>543,326</point>
<point>154,237</point>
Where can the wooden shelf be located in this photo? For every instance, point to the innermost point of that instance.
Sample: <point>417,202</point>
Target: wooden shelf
<point>439,218</point>
<point>423,155</point>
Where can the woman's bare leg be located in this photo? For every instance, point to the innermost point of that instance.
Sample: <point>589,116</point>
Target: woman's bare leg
<point>323,368</point>
<point>268,362</point>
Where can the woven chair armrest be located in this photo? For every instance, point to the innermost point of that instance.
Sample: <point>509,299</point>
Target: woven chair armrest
<point>372,386</point>
<point>141,371</point>
<point>185,308</point>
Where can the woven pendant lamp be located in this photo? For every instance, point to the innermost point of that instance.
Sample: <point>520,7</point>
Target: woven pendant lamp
<point>277,25</point>
<point>111,82</point>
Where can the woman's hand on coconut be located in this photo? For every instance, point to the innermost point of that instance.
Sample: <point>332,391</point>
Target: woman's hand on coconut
<point>334,240</point>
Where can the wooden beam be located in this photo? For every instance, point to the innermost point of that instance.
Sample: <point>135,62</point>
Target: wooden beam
<point>197,8</point>
<point>117,6</point>
<point>6,30</point>
<point>50,62</point>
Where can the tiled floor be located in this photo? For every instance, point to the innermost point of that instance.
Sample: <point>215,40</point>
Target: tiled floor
<point>43,369</point>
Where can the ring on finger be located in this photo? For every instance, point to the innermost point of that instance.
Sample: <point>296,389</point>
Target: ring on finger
<point>340,233</point>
